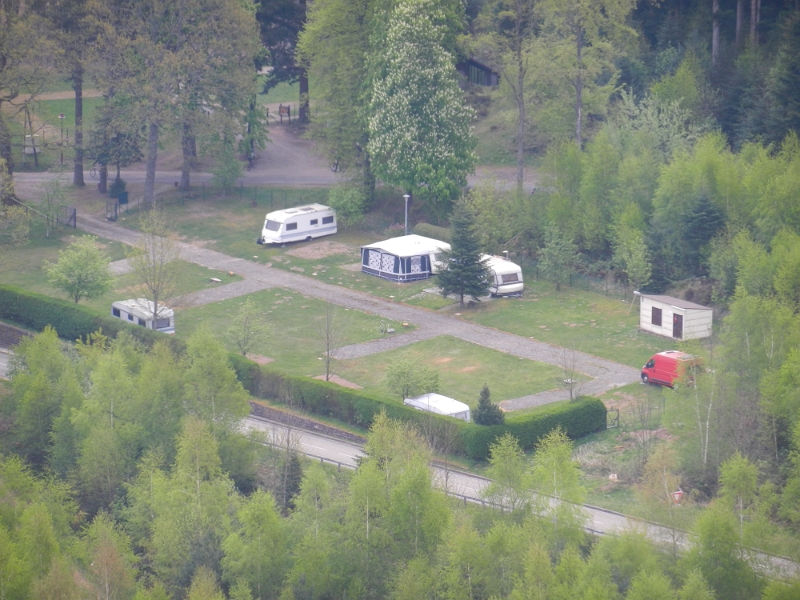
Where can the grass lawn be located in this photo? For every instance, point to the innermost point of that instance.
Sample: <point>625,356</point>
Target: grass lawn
<point>234,225</point>
<point>295,342</point>
<point>576,319</point>
<point>48,111</point>
<point>463,369</point>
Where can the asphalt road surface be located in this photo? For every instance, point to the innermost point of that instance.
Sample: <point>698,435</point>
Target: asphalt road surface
<point>468,486</point>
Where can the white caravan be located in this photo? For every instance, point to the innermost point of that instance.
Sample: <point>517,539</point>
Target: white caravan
<point>298,224</point>
<point>505,278</point>
<point>140,312</point>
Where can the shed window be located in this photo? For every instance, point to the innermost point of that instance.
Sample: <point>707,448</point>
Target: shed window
<point>327,220</point>
<point>115,312</point>
<point>510,278</point>
<point>656,318</point>
<point>315,221</point>
<point>291,226</point>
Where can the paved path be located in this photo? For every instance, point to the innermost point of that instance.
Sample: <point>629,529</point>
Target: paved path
<point>605,374</point>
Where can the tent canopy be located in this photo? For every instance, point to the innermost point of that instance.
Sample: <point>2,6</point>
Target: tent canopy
<point>409,245</point>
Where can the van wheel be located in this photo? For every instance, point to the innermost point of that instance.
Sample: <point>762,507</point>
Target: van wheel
<point>645,379</point>
<point>308,239</point>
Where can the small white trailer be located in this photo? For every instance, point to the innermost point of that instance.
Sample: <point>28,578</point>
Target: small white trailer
<point>441,405</point>
<point>139,311</point>
<point>301,223</point>
<point>505,278</point>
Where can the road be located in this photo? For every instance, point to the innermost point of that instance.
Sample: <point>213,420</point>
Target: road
<point>468,487</point>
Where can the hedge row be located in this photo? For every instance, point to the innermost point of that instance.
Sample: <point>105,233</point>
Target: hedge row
<point>355,407</point>
<point>582,417</point>
<point>433,231</point>
<point>71,321</point>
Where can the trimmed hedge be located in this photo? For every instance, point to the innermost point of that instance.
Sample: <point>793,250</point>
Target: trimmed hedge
<point>71,321</point>
<point>358,408</point>
<point>433,231</point>
<point>582,417</point>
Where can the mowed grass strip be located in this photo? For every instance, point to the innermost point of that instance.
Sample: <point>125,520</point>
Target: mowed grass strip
<point>575,319</point>
<point>463,369</point>
<point>295,342</point>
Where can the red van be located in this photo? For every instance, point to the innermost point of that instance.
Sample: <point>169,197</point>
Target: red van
<point>665,368</point>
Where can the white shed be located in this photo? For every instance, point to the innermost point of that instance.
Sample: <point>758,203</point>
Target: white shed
<point>674,318</point>
<point>441,405</point>
<point>405,258</point>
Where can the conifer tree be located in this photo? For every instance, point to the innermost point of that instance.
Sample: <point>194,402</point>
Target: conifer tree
<point>487,412</point>
<point>465,272</point>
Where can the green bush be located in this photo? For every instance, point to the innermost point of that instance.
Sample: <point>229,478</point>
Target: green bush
<point>117,187</point>
<point>585,416</point>
<point>71,321</point>
<point>432,231</point>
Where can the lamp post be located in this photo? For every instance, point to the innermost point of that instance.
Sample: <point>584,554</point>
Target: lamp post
<point>61,145</point>
<point>406,196</point>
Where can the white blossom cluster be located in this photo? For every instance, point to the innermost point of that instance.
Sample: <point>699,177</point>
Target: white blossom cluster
<point>419,125</point>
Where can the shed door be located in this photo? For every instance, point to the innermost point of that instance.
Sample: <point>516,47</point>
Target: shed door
<point>677,326</point>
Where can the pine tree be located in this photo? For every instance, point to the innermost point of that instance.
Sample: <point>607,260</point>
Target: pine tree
<point>465,272</point>
<point>487,412</point>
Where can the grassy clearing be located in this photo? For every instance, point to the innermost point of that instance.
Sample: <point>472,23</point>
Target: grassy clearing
<point>576,319</point>
<point>48,111</point>
<point>295,343</point>
<point>23,267</point>
<point>463,369</point>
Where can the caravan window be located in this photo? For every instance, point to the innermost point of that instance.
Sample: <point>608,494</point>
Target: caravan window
<point>272,225</point>
<point>315,221</point>
<point>510,278</point>
<point>326,220</point>
<point>142,322</point>
<point>115,312</point>
<point>291,226</point>
<point>162,323</point>
<point>130,317</point>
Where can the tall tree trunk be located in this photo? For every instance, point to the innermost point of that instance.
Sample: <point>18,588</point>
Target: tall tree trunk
<point>150,176</point>
<point>714,32</point>
<point>753,21</point>
<point>77,85</point>
<point>303,114</point>
<point>579,87</point>
<point>5,145</point>
<point>739,21</point>
<point>102,185</point>
<point>189,154</point>
<point>520,98</point>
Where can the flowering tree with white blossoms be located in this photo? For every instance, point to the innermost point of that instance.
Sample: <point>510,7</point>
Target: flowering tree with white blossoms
<point>419,125</point>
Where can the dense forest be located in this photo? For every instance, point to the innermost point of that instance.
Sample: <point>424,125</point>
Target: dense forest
<point>664,140</point>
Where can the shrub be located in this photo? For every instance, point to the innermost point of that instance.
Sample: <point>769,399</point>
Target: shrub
<point>433,231</point>
<point>117,187</point>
